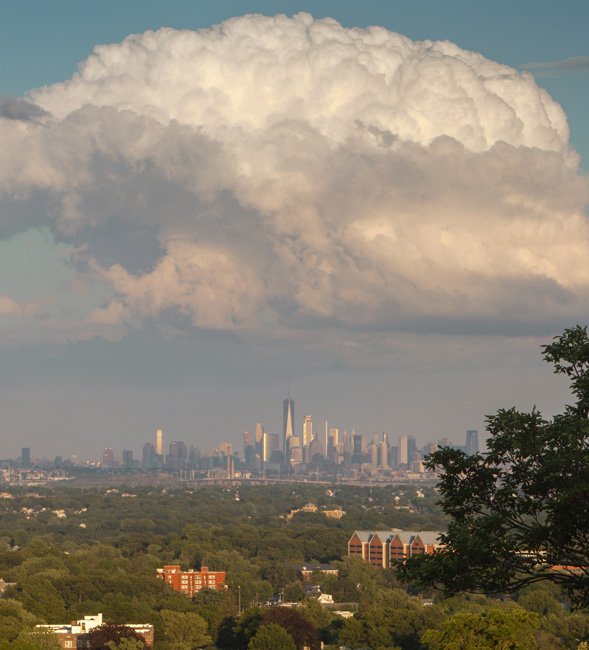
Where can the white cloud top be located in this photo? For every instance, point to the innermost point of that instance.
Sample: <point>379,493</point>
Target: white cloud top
<point>279,173</point>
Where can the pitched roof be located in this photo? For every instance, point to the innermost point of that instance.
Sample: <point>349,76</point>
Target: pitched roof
<point>428,537</point>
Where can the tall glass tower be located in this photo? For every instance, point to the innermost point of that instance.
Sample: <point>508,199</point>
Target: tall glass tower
<point>288,421</point>
<point>472,442</point>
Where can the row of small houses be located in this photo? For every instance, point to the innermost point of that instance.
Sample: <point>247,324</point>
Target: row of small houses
<point>382,547</point>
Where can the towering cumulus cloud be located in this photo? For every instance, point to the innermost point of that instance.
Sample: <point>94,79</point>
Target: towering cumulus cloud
<point>274,173</point>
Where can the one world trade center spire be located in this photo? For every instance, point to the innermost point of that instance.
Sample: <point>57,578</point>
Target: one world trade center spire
<point>288,420</point>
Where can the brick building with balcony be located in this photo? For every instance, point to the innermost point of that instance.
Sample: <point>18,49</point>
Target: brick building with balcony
<point>382,547</point>
<point>191,582</point>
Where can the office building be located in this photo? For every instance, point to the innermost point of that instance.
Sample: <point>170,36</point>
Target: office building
<point>159,442</point>
<point>472,442</point>
<point>148,458</point>
<point>288,421</point>
<point>271,444</point>
<point>307,431</point>
<point>25,458</point>
<point>193,455</point>
<point>127,458</point>
<point>347,451</point>
<point>384,455</point>
<point>250,457</point>
<point>374,456</point>
<point>294,453</point>
<point>226,449</point>
<point>382,547</point>
<point>430,448</point>
<point>315,451</point>
<point>403,450</point>
<point>334,435</point>
<point>178,454</point>
<point>393,456</point>
<point>411,447</point>
<point>358,443</point>
<point>108,458</point>
<point>259,440</point>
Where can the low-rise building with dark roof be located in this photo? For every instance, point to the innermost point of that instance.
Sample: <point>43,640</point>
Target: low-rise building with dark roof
<point>307,569</point>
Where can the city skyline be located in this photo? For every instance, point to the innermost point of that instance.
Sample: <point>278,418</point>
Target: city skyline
<point>382,207</point>
<point>173,453</point>
<point>351,453</point>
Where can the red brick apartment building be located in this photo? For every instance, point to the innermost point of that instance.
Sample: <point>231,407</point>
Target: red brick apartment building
<point>190,582</point>
<point>381,547</point>
<point>75,634</point>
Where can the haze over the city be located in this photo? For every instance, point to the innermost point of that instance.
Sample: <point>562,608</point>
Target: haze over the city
<point>380,205</point>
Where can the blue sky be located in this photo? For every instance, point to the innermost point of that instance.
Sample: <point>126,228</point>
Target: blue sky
<point>88,357</point>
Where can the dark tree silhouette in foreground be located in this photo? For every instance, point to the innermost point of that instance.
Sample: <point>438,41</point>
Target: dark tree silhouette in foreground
<point>519,514</point>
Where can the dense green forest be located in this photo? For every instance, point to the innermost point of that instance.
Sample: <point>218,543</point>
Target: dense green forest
<point>73,552</point>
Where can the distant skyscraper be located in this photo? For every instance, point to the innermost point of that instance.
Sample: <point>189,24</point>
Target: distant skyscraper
<point>333,433</point>
<point>108,458</point>
<point>430,448</point>
<point>315,451</point>
<point>384,454</point>
<point>259,440</point>
<point>348,450</point>
<point>127,458</point>
<point>148,459</point>
<point>25,457</point>
<point>288,422</point>
<point>271,444</point>
<point>159,442</point>
<point>472,442</point>
<point>307,431</point>
<point>250,457</point>
<point>403,451</point>
<point>193,455</point>
<point>178,454</point>
<point>411,447</point>
<point>294,452</point>
<point>226,448</point>
<point>374,456</point>
<point>358,443</point>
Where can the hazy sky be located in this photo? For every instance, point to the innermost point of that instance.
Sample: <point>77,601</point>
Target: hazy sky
<point>380,204</point>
